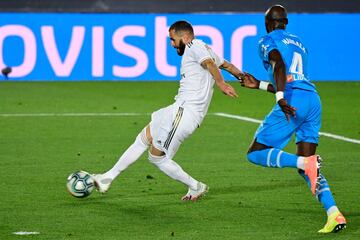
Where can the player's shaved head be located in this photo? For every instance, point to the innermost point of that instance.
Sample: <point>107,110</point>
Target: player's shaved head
<point>275,18</point>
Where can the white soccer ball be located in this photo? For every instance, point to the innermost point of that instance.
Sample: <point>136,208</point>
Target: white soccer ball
<point>80,184</point>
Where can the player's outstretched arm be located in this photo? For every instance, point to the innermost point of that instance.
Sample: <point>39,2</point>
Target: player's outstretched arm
<point>232,69</point>
<point>246,79</point>
<point>227,89</point>
<point>249,81</point>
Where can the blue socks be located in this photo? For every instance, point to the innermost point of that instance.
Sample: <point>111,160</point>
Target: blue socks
<point>273,157</point>
<point>324,195</point>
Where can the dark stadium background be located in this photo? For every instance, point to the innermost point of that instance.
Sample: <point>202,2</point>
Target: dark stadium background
<point>184,6</point>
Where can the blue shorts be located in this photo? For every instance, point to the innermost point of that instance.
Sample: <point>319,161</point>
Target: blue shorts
<point>276,131</point>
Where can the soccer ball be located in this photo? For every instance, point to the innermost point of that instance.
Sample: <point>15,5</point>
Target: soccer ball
<point>80,184</point>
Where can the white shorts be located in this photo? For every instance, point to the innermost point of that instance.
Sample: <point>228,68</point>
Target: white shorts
<point>170,126</point>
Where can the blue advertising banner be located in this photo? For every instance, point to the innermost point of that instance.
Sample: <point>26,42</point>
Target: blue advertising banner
<point>136,46</point>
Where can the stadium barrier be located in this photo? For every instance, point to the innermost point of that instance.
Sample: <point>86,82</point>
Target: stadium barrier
<point>73,46</point>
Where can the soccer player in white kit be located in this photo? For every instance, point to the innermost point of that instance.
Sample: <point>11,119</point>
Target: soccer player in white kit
<point>171,125</point>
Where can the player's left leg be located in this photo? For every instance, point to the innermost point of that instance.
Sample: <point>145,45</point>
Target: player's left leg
<point>336,220</point>
<point>267,156</point>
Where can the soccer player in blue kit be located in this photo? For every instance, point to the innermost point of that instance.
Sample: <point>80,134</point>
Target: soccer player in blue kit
<point>297,110</point>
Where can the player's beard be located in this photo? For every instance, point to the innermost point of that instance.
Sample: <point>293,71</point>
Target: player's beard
<point>181,49</point>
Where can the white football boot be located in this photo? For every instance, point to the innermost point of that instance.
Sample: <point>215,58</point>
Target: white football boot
<point>193,195</point>
<point>102,184</point>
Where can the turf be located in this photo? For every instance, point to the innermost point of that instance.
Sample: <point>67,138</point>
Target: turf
<point>245,201</point>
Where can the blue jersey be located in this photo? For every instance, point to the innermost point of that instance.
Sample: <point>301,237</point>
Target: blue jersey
<point>294,55</point>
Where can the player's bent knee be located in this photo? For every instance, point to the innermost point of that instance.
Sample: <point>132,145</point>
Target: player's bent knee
<point>156,159</point>
<point>253,157</point>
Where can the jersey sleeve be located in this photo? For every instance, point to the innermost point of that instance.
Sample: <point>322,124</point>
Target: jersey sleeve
<point>200,52</point>
<point>266,45</point>
<point>219,60</point>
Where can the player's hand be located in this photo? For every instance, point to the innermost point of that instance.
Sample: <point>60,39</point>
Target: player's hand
<point>249,81</point>
<point>287,109</point>
<point>228,90</point>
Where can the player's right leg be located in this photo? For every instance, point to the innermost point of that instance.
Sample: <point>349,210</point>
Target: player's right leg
<point>173,170</point>
<point>335,220</point>
<point>133,153</point>
<point>169,128</point>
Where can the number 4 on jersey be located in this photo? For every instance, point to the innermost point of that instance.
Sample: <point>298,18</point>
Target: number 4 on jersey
<point>296,64</point>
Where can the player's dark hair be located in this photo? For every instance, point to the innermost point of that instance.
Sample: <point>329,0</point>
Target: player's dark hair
<point>182,26</point>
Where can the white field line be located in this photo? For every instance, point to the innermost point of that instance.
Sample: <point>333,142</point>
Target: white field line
<point>253,120</point>
<point>26,233</point>
<point>242,118</point>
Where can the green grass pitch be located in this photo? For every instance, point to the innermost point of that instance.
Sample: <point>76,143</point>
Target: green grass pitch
<point>245,201</point>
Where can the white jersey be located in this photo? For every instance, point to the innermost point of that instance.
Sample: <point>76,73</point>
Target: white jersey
<point>196,84</point>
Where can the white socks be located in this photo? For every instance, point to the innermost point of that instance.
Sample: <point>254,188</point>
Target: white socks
<point>173,170</point>
<point>165,164</point>
<point>331,210</point>
<point>132,154</point>
<point>301,163</point>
